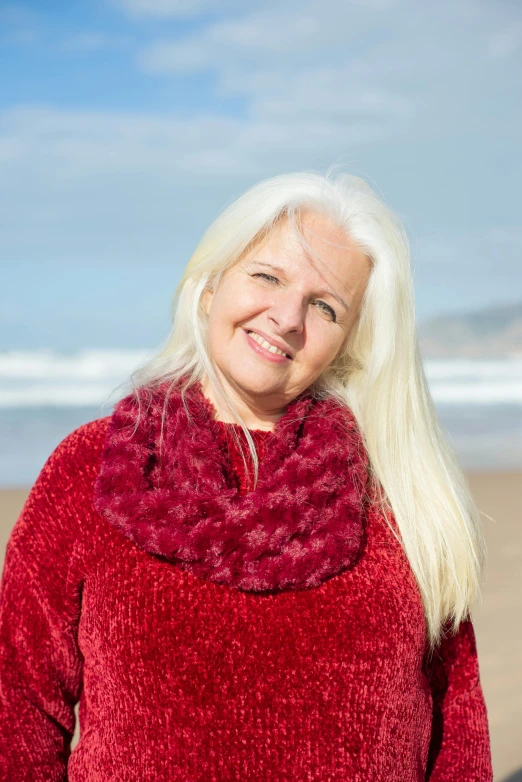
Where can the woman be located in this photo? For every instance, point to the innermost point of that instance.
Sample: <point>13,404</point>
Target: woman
<point>261,566</point>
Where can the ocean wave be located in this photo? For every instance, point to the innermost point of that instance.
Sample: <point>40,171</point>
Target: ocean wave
<point>477,370</point>
<point>85,364</point>
<point>93,378</point>
<point>59,395</point>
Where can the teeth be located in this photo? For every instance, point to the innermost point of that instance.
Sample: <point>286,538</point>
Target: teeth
<point>267,345</point>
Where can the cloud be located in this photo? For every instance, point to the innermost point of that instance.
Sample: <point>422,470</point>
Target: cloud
<point>171,8</point>
<point>329,94</point>
<point>417,105</point>
<point>110,187</point>
<point>510,235</point>
<point>457,271</point>
<point>504,44</point>
<point>488,252</point>
<point>190,8</point>
<point>63,147</point>
<point>85,144</point>
<point>333,32</point>
<point>86,42</point>
<point>183,57</point>
<point>308,70</point>
<point>20,25</point>
<point>346,64</point>
<point>280,34</point>
<point>285,36</point>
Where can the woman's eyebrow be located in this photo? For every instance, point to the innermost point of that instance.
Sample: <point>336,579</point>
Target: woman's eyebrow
<point>319,293</point>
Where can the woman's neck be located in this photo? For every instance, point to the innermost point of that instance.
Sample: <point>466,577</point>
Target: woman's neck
<point>253,418</point>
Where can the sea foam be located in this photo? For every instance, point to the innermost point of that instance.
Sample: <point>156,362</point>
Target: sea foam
<point>45,378</point>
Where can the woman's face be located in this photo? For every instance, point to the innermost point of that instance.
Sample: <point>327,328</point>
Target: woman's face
<point>279,293</point>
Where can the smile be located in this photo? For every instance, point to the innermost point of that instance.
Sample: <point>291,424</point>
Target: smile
<point>276,352</point>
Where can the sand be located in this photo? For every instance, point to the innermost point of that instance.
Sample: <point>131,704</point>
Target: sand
<point>497,617</point>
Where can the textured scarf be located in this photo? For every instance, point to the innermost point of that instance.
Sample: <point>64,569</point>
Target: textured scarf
<point>173,490</point>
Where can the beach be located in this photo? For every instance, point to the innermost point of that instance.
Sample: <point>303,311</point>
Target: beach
<point>497,616</point>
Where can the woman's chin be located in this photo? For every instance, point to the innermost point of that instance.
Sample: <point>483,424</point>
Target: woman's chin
<point>257,382</point>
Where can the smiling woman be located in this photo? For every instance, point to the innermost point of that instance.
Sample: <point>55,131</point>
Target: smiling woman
<point>284,313</point>
<point>309,621</point>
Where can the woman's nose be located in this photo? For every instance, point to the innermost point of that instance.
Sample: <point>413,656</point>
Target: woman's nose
<point>289,312</point>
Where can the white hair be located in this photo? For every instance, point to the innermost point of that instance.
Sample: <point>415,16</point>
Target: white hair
<point>379,374</point>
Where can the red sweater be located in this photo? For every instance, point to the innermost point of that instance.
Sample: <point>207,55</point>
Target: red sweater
<point>183,679</point>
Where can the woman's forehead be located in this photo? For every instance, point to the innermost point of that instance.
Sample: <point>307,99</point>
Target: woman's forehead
<point>313,243</point>
<point>299,238</point>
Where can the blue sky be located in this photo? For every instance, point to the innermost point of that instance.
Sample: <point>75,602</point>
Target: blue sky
<point>127,125</point>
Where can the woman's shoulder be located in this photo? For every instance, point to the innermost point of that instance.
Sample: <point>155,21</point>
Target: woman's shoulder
<point>81,447</point>
<point>61,497</point>
<point>77,457</point>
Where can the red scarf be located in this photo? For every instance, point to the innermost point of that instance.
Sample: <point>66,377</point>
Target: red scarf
<point>302,524</point>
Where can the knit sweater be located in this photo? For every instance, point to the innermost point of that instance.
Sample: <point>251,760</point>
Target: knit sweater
<point>182,679</point>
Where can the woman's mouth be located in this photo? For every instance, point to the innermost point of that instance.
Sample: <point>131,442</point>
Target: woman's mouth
<point>265,349</point>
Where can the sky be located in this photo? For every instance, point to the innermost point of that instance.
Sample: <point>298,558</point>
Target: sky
<point>126,126</point>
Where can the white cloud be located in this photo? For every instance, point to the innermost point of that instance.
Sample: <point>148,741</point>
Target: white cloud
<point>110,187</point>
<point>85,144</point>
<point>344,82</point>
<point>188,8</point>
<point>505,43</point>
<point>307,70</point>
<point>171,8</point>
<point>344,62</point>
<point>105,186</point>
<point>93,41</point>
<point>182,57</point>
<point>284,36</point>
<point>485,251</point>
<point>510,235</point>
<point>57,146</point>
<point>335,32</point>
<point>333,95</point>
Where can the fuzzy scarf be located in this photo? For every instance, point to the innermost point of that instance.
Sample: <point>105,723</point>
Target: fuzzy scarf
<point>178,499</point>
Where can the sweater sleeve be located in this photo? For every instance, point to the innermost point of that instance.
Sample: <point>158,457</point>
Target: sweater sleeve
<point>40,597</point>
<point>460,743</point>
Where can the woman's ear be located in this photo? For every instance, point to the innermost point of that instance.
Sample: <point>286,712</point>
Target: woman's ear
<point>206,298</point>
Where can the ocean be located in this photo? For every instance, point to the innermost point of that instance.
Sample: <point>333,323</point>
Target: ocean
<point>44,395</point>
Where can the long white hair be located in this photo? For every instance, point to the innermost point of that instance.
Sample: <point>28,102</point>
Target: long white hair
<point>379,374</point>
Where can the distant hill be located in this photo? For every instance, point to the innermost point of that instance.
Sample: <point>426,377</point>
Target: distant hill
<point>493,332</point>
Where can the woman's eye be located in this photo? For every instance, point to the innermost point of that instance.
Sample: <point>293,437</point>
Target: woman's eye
<point>266,276</point>
<point>322,304</point>
<point>326,308</point>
